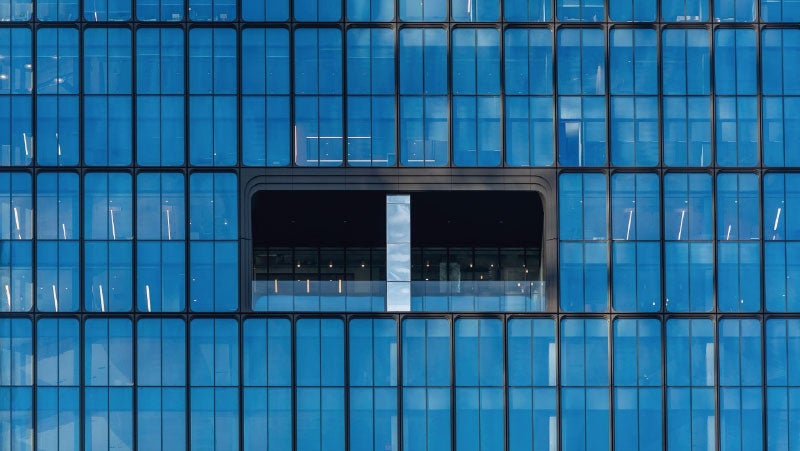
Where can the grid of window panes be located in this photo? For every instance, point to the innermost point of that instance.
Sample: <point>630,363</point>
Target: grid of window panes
<point>124,125</point>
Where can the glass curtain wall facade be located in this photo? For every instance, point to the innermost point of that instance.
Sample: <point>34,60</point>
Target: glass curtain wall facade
<point>128,129</point>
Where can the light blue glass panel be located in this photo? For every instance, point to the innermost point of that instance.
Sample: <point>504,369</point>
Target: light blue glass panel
<point>737,131</point>
<point>584,352</point>
<point>737,207</point>
<point>532,343</point>
<point>689,276</point>
<point>529,131</point>
<point>212,10</point>
<point>782,346</point>
<point>475,10</point>
<point>58,420</point>
<point>735,11</point>
<point>479,352</point>
<point>476,60</point>
<point>582,131</point>
<point>585,419</point>
<point>16,411</point>
<point>57,10</point>
<point>632,10</point>
<point>584,276</point>
<point>213,206</point>
<point>690,419</point>
<point>635,206</point>
<point>271,407</point>
<point>634,131</point>
<point>741,418</point>
<point>740,356</point>
<point>265,10</point>
<point>633,57</point>
<point>638,419</point>
<point>582,207</point>
<point>57,276</point>
<point>214,352</point>
<point>476,130</point>
<point>161,418</point>
<point>108,352</point>
<point>528,56</point>
<point>214,418</point>
<point>735,62</point>
<point>57,130</point>
<point>527,10</point>
<point>583,10</point>
<point>637,352</point>
<point>322,361</point>
<point>214,276</point>
<point>780,50</point>
<point>317,10</point>
<point>265,131</point>
<point>267,352</point>
<point>58,350</point>
<point>426,413</point>
<point>108,275</point>
<point>532,418</point>
<point>636,276</point>
<point>780,10</point>
<point>106,10</point>
<point>686,61</point>
<point>160,206</point>
<point>373,352</point>
<point>161,352</point>
<point>424,132</point>
<point>15,10</point>
<point>684,10</point>
<point>423,61</point>
<point>416,11</point>
<point>317,132</point>
<point>373,419</point>
<point>426,355</point>
<point>159,10</point>
<point>479,419</point>
<point>371,131</point>
<point>780,126</point>
<point>370,10</point>
<point>320,419</point>
<point>370,61</point>
<point>690,353</point>
<point>581,62</point>
<point>16,352</point>
<point>688,207</point>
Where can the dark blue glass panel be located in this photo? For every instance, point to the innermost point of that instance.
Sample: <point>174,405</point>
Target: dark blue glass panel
<point>212,130</point>
<point>424,132</point>
<point>318,130</point>
<point>582,207</point>
<point>317,10</point>
<point>581,62</point>
<point>322,361</point>
<point>476,131</point>
<point>212,10</point>
<point>780,53</point>
<point>371,131</point>
<point>479,352</point>
<point>736,131</point>
<point>320,419</point>
<point>370,61</point>
<point>423,61</point>
<point>528,56</point>
<point>426,359</point>
<point>320,70</point>
<point>212,61</point>
<point>106,10</point>
<point>737,207</point>
<point>265,10</point>
<point>735,62</point>
<point>780,126</point>
<point>155,10</point>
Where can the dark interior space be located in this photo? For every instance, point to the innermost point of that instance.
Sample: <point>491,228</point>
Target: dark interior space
<point>476,219</point>
<point>319,219</point>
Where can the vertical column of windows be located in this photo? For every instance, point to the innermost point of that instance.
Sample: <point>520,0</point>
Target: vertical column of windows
<point>161,384</point>
<point>583,254</point>
<point>585,410</point>
<point>214,379</point>
<point>780,102</point>
<point>532,392</point>
<point>57,245</point>
<point>373,385</point>
<point>371,136</point>
<point>318,126</point>
<point>57,85</point>
<point>782,352</point>
<point>16,85</point>
<point>638,417</point>
<point>16,235</point>
<point>426,384</point>
<point>108,245</point>
<point>634,103</point>
<point>736,107</point>
<point>58,400</point>
<point>161,242</point>
<point>424,118</point>
<point>636,246</point>
<point>688,248</point>
<point>160,122</point>
<point>739,249</point>
<point>107,109</point>
<point>740,392</point>
<point>267,384</point>
<point>16,379</point>
<point>108,378</point>
<point>320,380</point>
<point>266,139</point>
<point>581,100</point>
<point>213,246</point>
<point>213,135</point>
<point>476,100</point>
<point>781,229</point>
<point>686,80</point>
<point>479,384</point>
<point>528,57</point>
<point>691,377</point>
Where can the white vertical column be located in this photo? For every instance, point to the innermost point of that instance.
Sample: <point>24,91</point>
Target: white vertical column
<point>398,253</point>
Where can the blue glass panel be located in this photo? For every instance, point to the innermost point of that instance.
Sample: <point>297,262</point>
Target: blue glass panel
<point>424,132</point>
<point>320,72</point>
<point>370,10</point>
<point>161,418</point>
<point>106,10</point>
<point>212,206</point>
<point>373,419</point>
<point>780,10</point>
<point>107,130</point>
<point>371,131</point>
<point>416,11</point>
<point>58,420</point>
<point>479,352</point>
<point>735,61</point>
<point>108,352</point>
<point>531,414</point>
<point>528,56</point>
<point>16,352</point>
<point>686,63</point>
<point>632,10</point>
<point>638,419</point>
<point>317,10</point>
<point>582,131</point>
<point>476,131</point>
<point>582,196</point>
<point>736,131</point>
<point>426,413</point>
<point>57,352</point>
<point>737,207</point>
<point>527,10</point>
<point>634,131</point>
<point>265,10</point>
<point>583,10</point>
<point>684,10</point>
<point>736,11</point>
<point>16,10</point>
<point>476,61</point>
<point>581,62</point>
<point>780,126</point>
<point>532,343</point>
<point>265,61</point>
<point>212,10</point>
<point>632,56</point>
<point>584,352</point>
<point>214,418</point>
<point>155,10</point>
<point>690,352</point>
<point>318,131</point>
<point>16,143</point>
<point>426,359</point>
<point>529,131</point>
<point>637,352</point>
<point>585,419</point>
<point>322,361</point>
<point>475,10</point>
<point>373,360</point>
<point>214,352</point>
<point>423,61</point>
<point>160,352</point>
<point>320,419</point>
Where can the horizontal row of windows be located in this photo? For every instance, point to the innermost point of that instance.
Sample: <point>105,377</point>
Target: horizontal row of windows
<point>407,10</point>
<point>315,116</point>
<point>362,366</point>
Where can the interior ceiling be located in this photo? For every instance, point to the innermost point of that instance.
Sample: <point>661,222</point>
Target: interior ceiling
<point>358,219</point>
